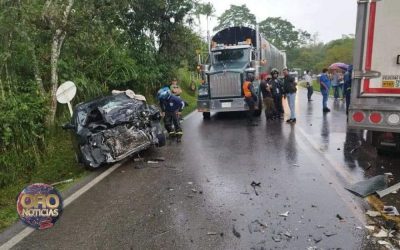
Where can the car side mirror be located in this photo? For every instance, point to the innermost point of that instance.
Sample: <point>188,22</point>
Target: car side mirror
<point>68,126</point>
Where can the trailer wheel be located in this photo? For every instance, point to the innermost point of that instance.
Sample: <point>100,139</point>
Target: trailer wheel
<point>206,115</point>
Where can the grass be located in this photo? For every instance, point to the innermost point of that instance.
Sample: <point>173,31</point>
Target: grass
<point>58,164</point>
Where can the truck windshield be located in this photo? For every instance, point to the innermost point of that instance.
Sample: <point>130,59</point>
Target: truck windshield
<point>231,55</point>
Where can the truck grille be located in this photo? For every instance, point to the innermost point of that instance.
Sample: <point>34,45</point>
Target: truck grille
<point>225,85</point>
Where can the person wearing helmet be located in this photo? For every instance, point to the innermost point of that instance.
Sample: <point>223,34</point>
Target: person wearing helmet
<point>266,91</point>
<point>277,91</point>
<point>171,107</point>
<point>250,98</point>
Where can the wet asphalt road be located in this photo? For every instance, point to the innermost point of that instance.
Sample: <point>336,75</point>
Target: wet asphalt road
<point>202,191</point>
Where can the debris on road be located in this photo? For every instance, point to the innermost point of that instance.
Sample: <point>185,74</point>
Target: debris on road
<point>286,214</point>
<point>277,238</point>
<point>296,165</point>
<point>317,240</point>
<point>368,187</point>
<point>339,217</point>
<point>211,233</point>
<point>329,234</point>
<point>257,226</point>
<point>386,244</point>
<point>381,234</point>
<point>254,185</point>
<point>62,182</point>
<point>236,233</point>
<point>370,228</point>
<point>388,190</point>
<point>390,210</point>
<point>158,159</point>
<point>373,213</point>
<point>190,183</point>
<point>289,235</point>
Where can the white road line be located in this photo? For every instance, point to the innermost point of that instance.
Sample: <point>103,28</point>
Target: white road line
<point>27,231</point>
<point>354,207</point>
<point>190,115</point>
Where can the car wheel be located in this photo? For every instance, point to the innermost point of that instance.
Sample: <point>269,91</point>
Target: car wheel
<point>162,139</point>
<point>206,115</point>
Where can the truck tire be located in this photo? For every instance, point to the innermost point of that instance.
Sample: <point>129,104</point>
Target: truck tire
<point>206,115</point>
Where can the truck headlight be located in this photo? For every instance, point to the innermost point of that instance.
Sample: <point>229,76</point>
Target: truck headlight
<point>203,92</point>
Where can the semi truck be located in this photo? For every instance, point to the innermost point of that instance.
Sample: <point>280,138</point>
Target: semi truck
<point>233,53</point>
<point>375,92</point>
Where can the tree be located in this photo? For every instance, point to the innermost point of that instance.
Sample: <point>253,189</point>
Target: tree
<point>56,14</point>
<point>236,16</point>
<point>282,34</point>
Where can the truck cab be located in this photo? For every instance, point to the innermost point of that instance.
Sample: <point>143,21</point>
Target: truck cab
<point>234,53</point>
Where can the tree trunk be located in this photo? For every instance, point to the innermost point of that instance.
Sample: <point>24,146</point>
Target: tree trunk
<point>58,40</point>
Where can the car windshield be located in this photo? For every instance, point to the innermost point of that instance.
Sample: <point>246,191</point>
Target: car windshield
<point>231,56</point>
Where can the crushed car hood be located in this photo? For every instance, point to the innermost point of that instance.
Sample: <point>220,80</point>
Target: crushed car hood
<point>110,128</point>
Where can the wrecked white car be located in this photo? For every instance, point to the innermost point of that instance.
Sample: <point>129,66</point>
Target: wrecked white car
<point>112,128</point>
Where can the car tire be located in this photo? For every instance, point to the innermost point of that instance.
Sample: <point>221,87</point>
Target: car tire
<point>162,140</point>
<point>206,115</point>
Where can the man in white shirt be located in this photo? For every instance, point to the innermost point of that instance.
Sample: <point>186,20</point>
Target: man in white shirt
<point>308,80</point>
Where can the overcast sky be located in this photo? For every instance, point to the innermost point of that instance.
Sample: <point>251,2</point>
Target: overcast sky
<point>329,18</point>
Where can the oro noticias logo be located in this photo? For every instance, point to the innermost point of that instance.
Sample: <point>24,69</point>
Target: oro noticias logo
<point>39,206</point>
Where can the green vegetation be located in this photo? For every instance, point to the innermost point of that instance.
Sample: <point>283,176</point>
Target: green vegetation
<point>103,45</point>
<point>100,45</point>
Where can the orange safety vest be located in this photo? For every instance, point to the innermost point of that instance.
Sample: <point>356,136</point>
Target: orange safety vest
<point>246,89</point>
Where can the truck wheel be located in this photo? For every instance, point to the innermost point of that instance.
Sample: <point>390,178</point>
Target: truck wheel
<point>206,115</point>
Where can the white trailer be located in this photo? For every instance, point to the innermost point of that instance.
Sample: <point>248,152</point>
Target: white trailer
<point>375,97</point>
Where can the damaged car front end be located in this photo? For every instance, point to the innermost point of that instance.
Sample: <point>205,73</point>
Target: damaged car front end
<point>112,128</point>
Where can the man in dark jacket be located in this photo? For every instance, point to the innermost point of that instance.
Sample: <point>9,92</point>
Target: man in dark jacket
<point>171,107</point>
<point>277,92</point>
<point>289,85</point>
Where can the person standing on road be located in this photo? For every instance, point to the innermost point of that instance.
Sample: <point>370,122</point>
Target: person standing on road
<point>171,107</point>
<point>341,83</point>
<point>289,85</point>
<point>250,98</point>
<point>309,85</point>
<point>277,92</point>
<point>347,87</point>
<point>266,91</point>
<point>335,84</point>
<point>325,84</point>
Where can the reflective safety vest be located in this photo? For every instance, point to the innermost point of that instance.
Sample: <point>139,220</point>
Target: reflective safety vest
<point>246,89</point>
